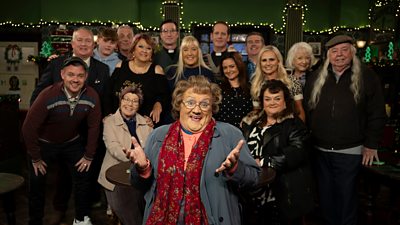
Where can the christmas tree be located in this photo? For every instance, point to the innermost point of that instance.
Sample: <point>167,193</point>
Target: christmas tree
<point>47,49</point>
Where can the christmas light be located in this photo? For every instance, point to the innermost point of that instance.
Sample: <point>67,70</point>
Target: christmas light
<point>367,56</point>
<point>185,27</point>
<point>390,51</point>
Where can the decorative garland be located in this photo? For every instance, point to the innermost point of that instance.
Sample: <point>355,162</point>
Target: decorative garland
<point>13,54</point>
<point>280,30</point>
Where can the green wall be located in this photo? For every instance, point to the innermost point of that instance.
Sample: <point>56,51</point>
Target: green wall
<point>355,13</point>
<point>20,11</point>
<point>89,10</point>
<point>318,15</point>
<point>321,15</point>
<point>255,11</point>
<point>150,12</point>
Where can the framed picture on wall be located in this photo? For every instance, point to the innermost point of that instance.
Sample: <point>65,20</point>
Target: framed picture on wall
<point>316,48</point>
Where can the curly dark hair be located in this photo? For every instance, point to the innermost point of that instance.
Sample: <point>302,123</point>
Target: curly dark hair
<point>275,86</point>
<point>241,66</point>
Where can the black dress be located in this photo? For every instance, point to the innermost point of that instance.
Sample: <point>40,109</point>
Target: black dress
<point>154,87</point>
<point>235,105</point>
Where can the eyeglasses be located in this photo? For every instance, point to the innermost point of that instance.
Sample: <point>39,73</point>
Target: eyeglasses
<point>127,100</point>
<point>168,31</point>
<point>191,104</point>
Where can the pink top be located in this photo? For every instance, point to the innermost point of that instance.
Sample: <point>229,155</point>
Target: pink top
<point>189,140</point>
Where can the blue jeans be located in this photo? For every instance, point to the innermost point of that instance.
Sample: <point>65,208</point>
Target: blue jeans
<point>69,153</point>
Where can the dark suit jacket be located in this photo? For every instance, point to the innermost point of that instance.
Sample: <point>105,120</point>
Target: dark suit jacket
<point>98,79</point>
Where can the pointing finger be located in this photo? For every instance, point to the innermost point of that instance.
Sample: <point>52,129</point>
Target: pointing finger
<point>135,142</point>
<point>239,145</point>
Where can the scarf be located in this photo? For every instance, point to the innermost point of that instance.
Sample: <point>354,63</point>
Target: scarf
<point>175,184</point>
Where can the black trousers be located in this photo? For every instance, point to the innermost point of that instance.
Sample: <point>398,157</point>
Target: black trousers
<point>64,181</point>
<point>337,179</point>
<point>69,153</point>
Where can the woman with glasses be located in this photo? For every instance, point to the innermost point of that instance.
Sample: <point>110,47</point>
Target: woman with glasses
<point>193,168</point>
<point>140,70</point>
<point>119,128</point>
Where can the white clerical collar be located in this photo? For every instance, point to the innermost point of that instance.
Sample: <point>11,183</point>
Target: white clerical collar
<point>87,60</point>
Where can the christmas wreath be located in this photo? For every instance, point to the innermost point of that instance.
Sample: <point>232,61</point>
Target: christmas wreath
<point>13,54</point>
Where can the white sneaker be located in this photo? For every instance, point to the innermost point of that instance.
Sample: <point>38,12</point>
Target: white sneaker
<point>86,221</point>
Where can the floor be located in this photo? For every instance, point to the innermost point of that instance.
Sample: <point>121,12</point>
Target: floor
<point>384,215</point>
<point>98,213</point>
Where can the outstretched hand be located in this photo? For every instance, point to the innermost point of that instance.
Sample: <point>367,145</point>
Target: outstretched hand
<point>232,159</point>
<point>136,155</point>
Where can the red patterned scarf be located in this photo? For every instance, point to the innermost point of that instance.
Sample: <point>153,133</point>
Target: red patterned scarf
<point>175,184</point>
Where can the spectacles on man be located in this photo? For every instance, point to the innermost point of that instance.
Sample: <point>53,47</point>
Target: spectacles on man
<point>191,104</point>
<point>168,31</point>
<point>127,100</point>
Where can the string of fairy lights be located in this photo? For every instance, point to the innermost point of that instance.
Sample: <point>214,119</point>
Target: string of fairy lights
<point>187,27</point>
<point>383,3</point>
<point>191,24</point>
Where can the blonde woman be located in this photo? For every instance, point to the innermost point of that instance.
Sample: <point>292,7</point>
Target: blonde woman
<point>190,63</point>
<point>300,59</point>
<point>269,67</point>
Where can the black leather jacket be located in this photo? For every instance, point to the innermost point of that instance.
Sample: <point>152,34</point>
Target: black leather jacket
<point>292,186</point>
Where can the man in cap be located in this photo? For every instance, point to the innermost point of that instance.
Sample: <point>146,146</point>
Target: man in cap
<point>51,132</point>
<point>345,109</point>
<point>82,44</point>
<point>98,77</point>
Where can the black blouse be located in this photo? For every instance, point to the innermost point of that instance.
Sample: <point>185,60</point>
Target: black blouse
<point>154,87</point>
<point>235,105</point>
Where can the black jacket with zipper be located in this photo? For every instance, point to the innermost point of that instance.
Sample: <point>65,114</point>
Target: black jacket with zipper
<point>292,186</point>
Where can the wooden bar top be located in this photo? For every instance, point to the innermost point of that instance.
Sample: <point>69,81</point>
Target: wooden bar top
<point>10,182</point>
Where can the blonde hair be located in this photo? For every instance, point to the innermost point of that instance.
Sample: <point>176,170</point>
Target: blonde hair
<point>355,86</point>
<point>259,78</point>
<point>296,48</point>
<point>180,67</point>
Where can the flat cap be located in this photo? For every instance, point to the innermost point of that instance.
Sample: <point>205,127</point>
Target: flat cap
<point>73,60</point>
<point>339,39</point>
